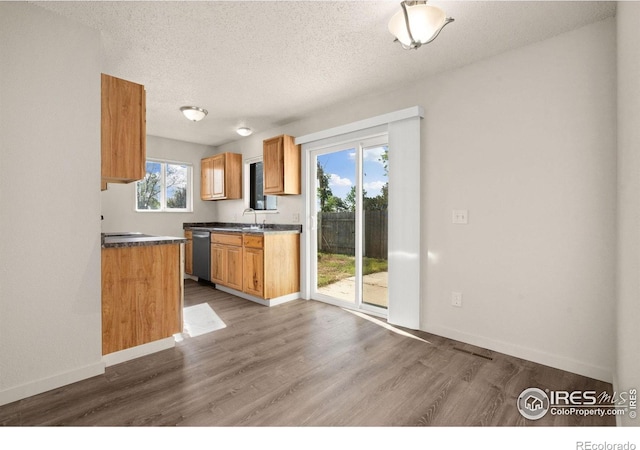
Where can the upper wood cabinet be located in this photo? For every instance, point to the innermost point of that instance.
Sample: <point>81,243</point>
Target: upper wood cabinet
<point>221,177</point>
<point>124,134</point>
<point>281,165</point>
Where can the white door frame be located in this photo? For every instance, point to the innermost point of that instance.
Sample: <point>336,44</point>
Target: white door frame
<point>405,228</point>
<point>359,145</point>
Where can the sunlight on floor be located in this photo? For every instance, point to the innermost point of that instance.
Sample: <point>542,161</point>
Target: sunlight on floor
<point>199,319</point>
<point>384,325</point>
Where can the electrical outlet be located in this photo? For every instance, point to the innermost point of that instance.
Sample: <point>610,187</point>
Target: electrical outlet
<point>296,218</point>
<point>456,299</point>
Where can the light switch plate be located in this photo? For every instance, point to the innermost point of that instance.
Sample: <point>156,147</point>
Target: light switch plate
<point>460,216</point>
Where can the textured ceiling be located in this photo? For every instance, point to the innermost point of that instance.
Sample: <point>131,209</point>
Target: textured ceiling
<point>264,64</point>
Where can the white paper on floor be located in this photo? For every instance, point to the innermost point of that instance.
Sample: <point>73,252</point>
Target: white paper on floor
<point>201,319</point>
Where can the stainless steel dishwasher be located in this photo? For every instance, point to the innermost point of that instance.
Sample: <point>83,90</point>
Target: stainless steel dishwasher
<point>202,254</point>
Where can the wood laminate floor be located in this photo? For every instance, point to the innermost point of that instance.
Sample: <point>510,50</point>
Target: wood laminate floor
<point>303,363</point>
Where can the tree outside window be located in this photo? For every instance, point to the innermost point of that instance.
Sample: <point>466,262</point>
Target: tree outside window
<point>165,187</point>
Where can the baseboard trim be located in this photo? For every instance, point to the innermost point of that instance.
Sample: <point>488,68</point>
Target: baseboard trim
<point>47,384</point>
<point>547,359</point>
<point>271,302</point>
<point>136,352</point>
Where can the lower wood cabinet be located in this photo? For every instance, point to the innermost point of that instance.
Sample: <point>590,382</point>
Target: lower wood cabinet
<point>265,266</point>
<point>188,253</point>
<point>253,269</point>
<point>226,260</point>
<point>142,295</point>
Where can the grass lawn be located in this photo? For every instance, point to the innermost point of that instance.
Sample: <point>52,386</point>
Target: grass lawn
<point>333,267</point>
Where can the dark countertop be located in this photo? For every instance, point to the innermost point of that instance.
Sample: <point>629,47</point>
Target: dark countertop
<point>244,228</point>
<point>132,239</point>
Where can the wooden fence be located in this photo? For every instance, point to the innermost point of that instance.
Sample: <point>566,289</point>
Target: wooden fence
<point>337,233</point>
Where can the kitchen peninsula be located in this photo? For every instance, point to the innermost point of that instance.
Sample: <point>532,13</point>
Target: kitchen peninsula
<point>142,294</point>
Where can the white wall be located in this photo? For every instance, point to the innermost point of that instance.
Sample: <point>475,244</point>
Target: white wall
<point>118,201</point>
<point>526,141</point>
<point>50,202</point>
<point>628,367</point>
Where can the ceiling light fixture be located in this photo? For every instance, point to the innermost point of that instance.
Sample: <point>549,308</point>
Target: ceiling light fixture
<point>417,24</point>
<point>193,113</point>
<point>244,131</point>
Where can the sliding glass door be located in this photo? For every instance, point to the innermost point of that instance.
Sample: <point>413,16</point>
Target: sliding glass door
<point>349,212</point>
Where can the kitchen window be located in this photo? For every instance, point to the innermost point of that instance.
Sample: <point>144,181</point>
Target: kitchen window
<point>256,198</point>
<point>166,187</point>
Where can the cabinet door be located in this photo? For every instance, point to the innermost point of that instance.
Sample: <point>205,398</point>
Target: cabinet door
<point>234,267</point>
<point>141,295</point>
<point>188,257</point>
<point>273,165</point>
<point>188,252</point>
<point>232,176</point>
<point>206,179</point>
<point>123,130</point>
<point>221,177</point>
<point>253,268</point>
<point>218,169</point>
<point>218,264</point>
<point>281,166</point>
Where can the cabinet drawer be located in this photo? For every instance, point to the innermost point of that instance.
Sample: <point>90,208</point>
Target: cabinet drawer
<point>252,241</point>
<point>227,239</point>
<point>188,234</point>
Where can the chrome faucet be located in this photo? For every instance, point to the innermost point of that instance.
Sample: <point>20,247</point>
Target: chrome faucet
<point>255,216</point>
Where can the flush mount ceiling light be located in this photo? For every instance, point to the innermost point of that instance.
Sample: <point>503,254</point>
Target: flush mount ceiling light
<point>193,113</point>
<point>244,131</point>
<point>417,24</point>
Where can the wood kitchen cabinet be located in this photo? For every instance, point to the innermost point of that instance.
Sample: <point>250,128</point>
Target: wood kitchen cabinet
<point>221,177</point>
<point>253,265</point>
<point>271,265</point>
<point>142,295</point>
<point>188,253</point>
<point>265,266</point>
<point>226,260</point>
<point>123,131</point>
<point>281,166</point>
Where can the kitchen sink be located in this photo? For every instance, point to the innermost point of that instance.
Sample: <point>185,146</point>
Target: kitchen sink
<point>238,229</point>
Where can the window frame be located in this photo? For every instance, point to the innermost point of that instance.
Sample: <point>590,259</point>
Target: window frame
<point>163,200</point>
<point>247,186</point>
